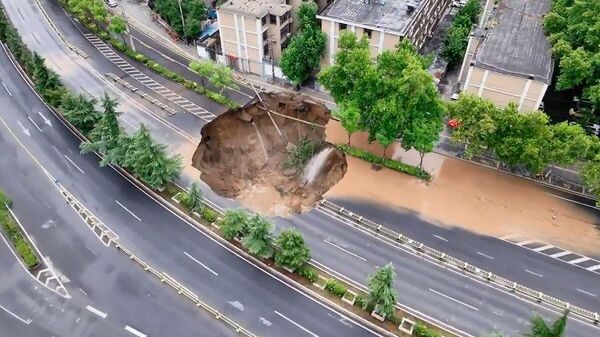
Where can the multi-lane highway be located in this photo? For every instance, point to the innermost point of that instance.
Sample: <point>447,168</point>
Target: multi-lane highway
<point>169,242</point>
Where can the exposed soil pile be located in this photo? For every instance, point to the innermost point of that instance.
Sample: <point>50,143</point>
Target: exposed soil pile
<point>243,155</point>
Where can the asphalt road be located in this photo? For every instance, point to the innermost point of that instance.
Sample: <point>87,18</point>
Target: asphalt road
<point>425,299</point>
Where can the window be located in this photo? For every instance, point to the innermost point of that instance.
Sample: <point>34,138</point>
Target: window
<point>264,35</point>
<point>343,26</point>
<point>368,33</point>
<point>273,19</point>
<point>266,51</point>
<point>285,31</point>
<point>284,17</point>
<point>284,44</point>
<point>264,20</point>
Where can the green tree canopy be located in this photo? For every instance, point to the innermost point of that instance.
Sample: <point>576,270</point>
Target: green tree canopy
<point>303,54</point>
<point>258,240</point>
<point>381,290</point>
<point>149,161</point>
<point>94,10</point>
<point>194,12</point>
<point>539,327</point>
<point>293,253</point>
<point>80,111</point>
<point>457,36</point>
<point>234,224</point>
<point>193,198</point>
<point>476,117</point>
<point>105,134</point>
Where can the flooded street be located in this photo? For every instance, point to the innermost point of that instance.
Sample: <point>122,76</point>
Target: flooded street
<point>468,196</point>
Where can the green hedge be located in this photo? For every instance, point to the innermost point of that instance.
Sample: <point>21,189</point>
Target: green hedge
<point>308,273</point>
<point>208,214</point>
<point>389,163</point>
<point>335,287</point>
<point>12,230</point>
<point>421,330</point>
<point>161,70</point>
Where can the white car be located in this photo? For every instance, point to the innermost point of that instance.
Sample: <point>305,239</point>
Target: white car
<point>459,3</point>
<point>112,3</point>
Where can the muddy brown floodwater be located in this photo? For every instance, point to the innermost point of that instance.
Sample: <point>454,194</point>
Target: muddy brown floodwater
<point>242,155</point>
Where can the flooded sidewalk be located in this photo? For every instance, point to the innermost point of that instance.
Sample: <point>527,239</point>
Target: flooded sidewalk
<point>468,196</point>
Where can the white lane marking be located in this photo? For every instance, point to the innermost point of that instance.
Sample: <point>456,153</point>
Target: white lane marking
<point>592,268</point>
<point>35,38</point>
<point>91,250</point>
<point>566,252</point>
<point>586,292</point>
<point>134,331</point>
<point>579,260</point>
<point>202,264</point>
<point>296,324</point>
<point>96,311</point>
<point>533,273</point>
<point>26,321</point>
<point>542,248</point>
<point>453,299</point>
<point>526,242</point>
<point>46,120</point>
<point>128,211</point>
<point>73,163</point>
<point>573,201</point>
<point>21,14</point>
<point>34,124</point>
<point>23,128</point>
<point>345,250</point>
<point>440,237</point>
<point>133,126</point>
<point>83,291</point>
<point>484,255</point>
<point>6,88</point>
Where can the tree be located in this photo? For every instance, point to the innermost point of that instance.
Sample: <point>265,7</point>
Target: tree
<point>234,224</point>
<point>293,253</point>
<point>118,26</point>
<point>455,44</point>
<point>80,111</point>
<point>568,143</point>
<point>476,121</point>
<point>539,327</point>
<point>575,69</point>
<point>303,54</point>
<point>193,198</point>
<point>149,161</point>
<point>93,10</point>
<point>349,116</point>
<point>590,174</point>
<point>203,68</point>
<point>258,240</point>
<point>381,290</point>
<point>194,12</point>
<point>222,77</point>
<point>105,134</point>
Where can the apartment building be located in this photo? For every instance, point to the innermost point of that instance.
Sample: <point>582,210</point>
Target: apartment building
<point>253,33</point>
<point>508,58</point>
<point>383,22</point>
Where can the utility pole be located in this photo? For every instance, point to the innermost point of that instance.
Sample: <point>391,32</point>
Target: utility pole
<point>271,49</point>
<point>181,12</point>
<point>127,29</point>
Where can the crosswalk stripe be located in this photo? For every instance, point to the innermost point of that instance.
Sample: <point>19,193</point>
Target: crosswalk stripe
<point>581,259</point>
<point>566,252</point>
<point>594,268</point>
<point>542,248</point>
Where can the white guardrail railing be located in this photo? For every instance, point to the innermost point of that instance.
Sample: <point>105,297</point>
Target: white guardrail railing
<point>457,263</point>
<point>108,238</point>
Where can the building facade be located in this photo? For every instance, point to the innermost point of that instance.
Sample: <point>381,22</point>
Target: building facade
<point>508,57</point>
<point>383,22</point>
<point>253,34</point>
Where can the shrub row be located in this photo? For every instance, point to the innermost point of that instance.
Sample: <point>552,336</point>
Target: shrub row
<point>335,287</point>
<point>12,230</point>
<point>389,163</point>
<point>163,71</point>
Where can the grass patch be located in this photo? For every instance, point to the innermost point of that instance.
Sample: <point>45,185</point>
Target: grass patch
<point>12,230</point>
<point>389,163</point>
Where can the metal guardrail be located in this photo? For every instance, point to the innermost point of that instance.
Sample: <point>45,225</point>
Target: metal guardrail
<point>108,237</point>
<point>457,263</point>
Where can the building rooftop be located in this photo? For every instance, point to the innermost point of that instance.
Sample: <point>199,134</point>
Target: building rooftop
<point>392,15</point>
<point>256,8</point>
<point>515,42</point>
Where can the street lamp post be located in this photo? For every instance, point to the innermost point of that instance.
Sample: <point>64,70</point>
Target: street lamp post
<point>127,29</point>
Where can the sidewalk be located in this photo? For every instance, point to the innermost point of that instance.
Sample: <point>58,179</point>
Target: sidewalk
<point>140,17</point>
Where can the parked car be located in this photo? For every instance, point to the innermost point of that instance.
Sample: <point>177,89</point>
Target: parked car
<point>112,3</point>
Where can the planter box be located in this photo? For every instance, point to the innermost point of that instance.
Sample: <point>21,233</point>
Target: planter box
<point>349,297</point>
<point>407,325</point>
<point>237,239</point>
<point>377,316</point>
<point>176,197</point>
<point>288,269</point>
<point>321,281</point>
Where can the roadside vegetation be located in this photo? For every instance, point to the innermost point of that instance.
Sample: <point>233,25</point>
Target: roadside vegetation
<point>392,97</point>
<point>139,153</point>
<point>93,14</point>
<point>192,12</point>
<point>457,36</point>
<point>525,140</point>
<point>303,54</point>
<point>22,247</point>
